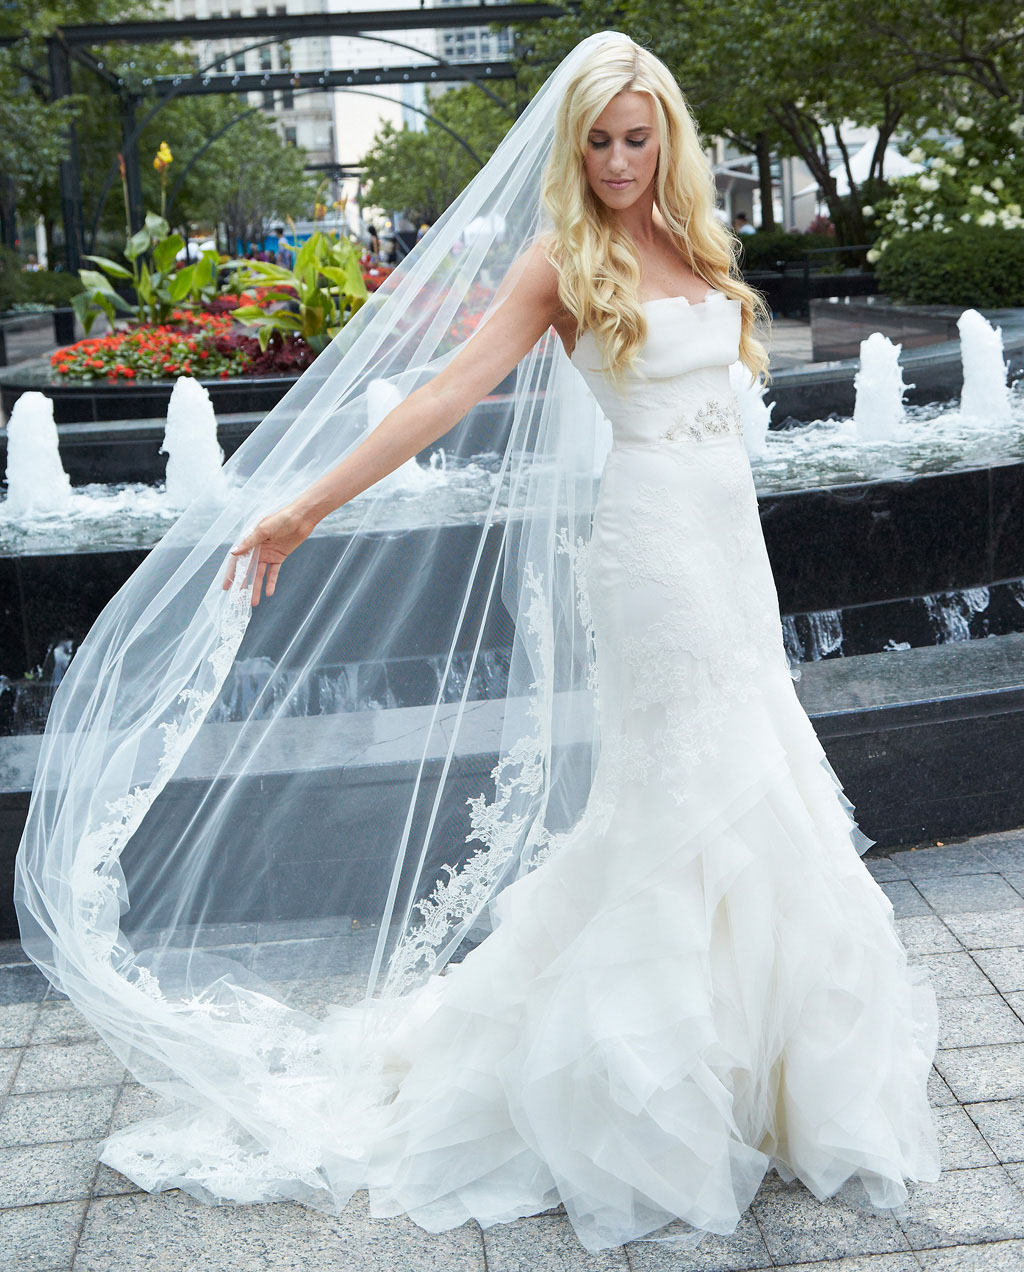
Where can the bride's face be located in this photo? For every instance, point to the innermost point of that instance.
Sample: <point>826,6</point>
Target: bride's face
<point>622,150</point>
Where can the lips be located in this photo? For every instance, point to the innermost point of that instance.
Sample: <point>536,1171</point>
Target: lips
<point>619,185</point>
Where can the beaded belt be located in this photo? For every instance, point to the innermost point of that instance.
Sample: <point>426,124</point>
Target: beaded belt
<point>712,419</point>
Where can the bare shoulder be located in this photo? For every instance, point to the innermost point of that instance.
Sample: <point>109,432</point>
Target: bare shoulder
<point>533,278</point>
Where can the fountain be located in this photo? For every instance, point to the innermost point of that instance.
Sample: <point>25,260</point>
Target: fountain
<point>902,502</point>
<point>194,455</point>
<point>37,485</point>
<point>879,384</point>
<point>985,395</point>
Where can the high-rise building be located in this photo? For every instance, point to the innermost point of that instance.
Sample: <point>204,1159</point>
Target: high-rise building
<point>305,118</point>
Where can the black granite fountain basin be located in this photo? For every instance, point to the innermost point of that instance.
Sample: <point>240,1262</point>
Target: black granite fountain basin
<point>857,549</point>
<point>928,743</point>
<point>99,401</point>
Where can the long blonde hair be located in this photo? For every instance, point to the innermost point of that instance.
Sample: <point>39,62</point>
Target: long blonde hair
<point>598,264</point>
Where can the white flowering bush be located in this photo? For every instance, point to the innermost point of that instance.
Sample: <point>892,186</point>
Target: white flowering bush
<point>977,178</point>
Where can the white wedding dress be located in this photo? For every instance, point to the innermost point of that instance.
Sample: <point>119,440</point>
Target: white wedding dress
<point>704,982</point>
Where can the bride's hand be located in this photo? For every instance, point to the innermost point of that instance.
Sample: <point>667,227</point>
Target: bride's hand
<point>274,538</point>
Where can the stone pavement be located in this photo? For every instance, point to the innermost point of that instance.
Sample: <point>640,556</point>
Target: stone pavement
<point>960,910</point>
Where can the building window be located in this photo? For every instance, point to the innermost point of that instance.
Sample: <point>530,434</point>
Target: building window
<point>266,58</point>
<point>287,99</point>
<point>268,101</point>
<point>238,62</point>
<point>291,137</point>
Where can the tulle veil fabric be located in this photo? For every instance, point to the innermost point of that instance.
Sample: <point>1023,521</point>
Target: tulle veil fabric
<point>241,816</point>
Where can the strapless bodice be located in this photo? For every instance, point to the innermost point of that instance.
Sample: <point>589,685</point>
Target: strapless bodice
<point>678,388</point>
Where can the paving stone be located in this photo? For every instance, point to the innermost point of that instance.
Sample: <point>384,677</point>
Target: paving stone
<point>1000,1122</point>
<point>46,1172</point>
<point>988,929</point>
<point>797,1227</point>
<point>40,1238</point>
<point>23,983</point>
<point>962,1207</point>
<point>16,1021</point>
<point>977,1020</point>
<point>905,898</point>
<point>134,1103</point>
<point>884,869</point>
<point>1016,1001</point>
<point>171,1232</point>
<point>1005,850</point>
<point>939,1094</point>
<point>1016,1172</point>
<point>995,1256</point>
<point>10,1058</point>
<point>546,1242</point>
<point>1015,878</point>
<point>59,1065</point>
<point>83,1113</point>
<point>969,892</point>
<point>60,1021</point>
<point>1004,968</point>
<point>860,1263</point>
<point>955,975</point>
<point>946,859</point>
<point>961,1144</point>
<point>983,1073</point>
<point>926,934</point>
<point>111,1183</point>
<point>744,1248</point>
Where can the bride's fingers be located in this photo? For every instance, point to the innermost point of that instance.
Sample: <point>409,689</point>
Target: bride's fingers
<point>272,574</point>
<point>251,540</point>
<point>257,586</point>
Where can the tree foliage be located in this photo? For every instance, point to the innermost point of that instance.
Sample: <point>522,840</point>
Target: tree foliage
<point>422,171</point>
<point>770,74</point>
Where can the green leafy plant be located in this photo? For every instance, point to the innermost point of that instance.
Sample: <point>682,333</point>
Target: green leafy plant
<point>972,265</point>
<point>314,299</point>
<point>152,273</point>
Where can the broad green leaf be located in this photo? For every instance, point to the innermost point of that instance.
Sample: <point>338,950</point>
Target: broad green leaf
<point>110,267</point>
<point>157,226</point>
<point>165,251</point>
<point>137,244</point>
<point>180,283</point>
<point>96,281</point>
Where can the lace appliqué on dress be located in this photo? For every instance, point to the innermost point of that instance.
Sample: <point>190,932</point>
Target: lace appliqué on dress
<point>713,419</point>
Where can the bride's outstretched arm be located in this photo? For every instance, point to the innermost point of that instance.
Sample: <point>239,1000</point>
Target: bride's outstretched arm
<point>526,305</point>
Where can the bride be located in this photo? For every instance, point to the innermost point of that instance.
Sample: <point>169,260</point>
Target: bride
<point>663,970</point>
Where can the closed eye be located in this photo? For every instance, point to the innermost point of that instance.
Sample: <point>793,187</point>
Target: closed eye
<point>637,145</point>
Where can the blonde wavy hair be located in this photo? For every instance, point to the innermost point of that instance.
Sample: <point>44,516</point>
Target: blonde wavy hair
<point>598,265</point>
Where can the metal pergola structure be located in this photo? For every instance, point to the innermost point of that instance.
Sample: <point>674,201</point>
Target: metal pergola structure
<point>75,42</point>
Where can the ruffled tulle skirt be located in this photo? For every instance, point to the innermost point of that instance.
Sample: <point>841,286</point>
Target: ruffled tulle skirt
<point>701,984</point>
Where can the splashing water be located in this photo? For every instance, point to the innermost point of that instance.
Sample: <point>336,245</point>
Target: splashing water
<point>754,413</point>
<point>878,410</point>
<point>194,456</point>
<point>37,485</point>
<point>986,395</point>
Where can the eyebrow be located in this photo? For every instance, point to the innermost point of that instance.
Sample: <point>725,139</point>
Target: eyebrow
<point>635,128</point>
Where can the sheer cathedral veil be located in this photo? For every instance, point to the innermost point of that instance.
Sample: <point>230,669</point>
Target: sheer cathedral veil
<point>242,816</point>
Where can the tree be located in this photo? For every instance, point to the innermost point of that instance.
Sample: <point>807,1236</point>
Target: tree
<point>247,179</point>
<point>770,75</point>
<point>422,172</point>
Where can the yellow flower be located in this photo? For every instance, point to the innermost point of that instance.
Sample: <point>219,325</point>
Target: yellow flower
<point>164,158</point>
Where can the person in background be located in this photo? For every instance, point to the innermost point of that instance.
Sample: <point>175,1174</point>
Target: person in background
<point>284,256</point>
<point>741,225</point>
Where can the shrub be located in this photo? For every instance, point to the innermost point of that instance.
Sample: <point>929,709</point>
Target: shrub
<point>972,265</point>
<point>766,248</point>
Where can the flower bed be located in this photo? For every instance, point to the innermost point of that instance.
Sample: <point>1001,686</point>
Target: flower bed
<point>205,345</point>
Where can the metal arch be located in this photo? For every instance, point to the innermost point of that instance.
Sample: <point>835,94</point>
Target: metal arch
<point>252,110</point>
